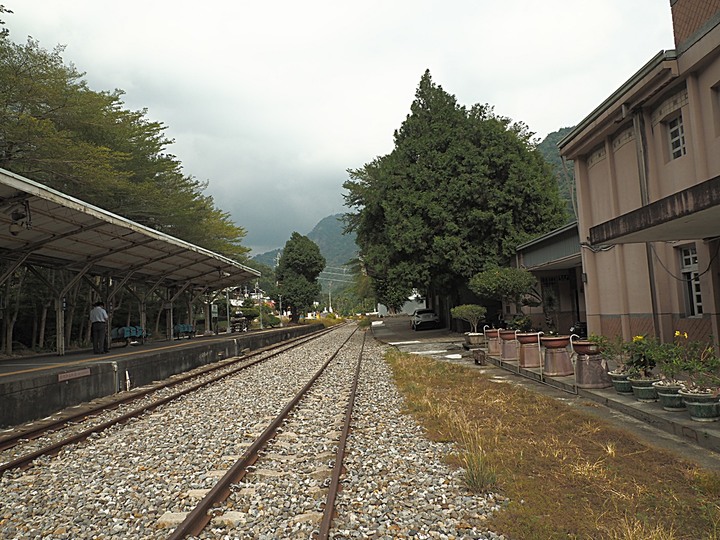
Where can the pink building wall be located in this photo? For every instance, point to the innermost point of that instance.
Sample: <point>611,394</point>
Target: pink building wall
<point>623,160</point>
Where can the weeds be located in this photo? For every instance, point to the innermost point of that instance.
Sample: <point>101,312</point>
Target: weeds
<point>632,529</point>
<point>578,477</point>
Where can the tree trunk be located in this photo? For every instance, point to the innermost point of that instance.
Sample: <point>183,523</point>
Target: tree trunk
<point>41,326</point>
<point>71,307</point>
<point>11,318</point>
<point>157,321</point>
<point>33,334</point>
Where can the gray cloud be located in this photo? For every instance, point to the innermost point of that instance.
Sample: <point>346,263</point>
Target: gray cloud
<point>272,102</point>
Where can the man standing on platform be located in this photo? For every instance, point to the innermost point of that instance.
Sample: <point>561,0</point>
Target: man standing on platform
<point>98,322</point>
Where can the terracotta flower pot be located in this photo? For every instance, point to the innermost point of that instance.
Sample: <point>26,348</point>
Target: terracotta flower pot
<point>510,347</point>
<point>492,333</point>
<point>530,356</point>
<point>528,337</point>
<point>585,347</point>
<point>555,342</point>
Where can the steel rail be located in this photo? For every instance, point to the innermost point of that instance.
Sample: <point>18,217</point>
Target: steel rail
<point>334,487</point>
<point>53,448</point>
<point>198,518</point>
<point>43,428</point>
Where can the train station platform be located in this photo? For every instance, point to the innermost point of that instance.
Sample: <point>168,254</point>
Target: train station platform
<point>33,387</point>
<point>675,431</point>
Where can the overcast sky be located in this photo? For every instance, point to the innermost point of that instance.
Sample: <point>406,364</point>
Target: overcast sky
<point>271,102</point>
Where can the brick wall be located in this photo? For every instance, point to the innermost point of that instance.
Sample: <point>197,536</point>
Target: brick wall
<point>690,17</point>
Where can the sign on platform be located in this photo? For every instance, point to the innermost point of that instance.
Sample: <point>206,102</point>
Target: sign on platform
<point>73,374</point>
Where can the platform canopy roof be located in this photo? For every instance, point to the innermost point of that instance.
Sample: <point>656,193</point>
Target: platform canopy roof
<point>44,227</point>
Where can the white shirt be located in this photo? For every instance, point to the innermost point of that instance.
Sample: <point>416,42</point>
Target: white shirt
<point>98,314</point>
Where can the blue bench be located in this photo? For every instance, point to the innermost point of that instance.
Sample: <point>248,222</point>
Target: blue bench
<point>128,334</point>
<point>183,330</point>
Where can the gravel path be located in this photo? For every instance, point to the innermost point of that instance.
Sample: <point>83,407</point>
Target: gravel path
<point>120,483</point>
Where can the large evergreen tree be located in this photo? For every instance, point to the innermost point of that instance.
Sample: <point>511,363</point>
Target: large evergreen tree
<point>460,190</point>
<point>297,274</point>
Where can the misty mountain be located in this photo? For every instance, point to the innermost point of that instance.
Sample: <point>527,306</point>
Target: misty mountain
<point>337,248</point>
<point>564,174</point>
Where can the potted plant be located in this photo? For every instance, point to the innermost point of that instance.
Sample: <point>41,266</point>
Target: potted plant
<point>641,355</point>
<point>550,341</point>
<point>591,368</point>
<point>492,338</point>
<point>510,285</point>
<point>701,393</point>
<point>519,287</point>
<point>673,359</point>
<point>613,352</point>
<point>521,322</point>
<point>473,314</point>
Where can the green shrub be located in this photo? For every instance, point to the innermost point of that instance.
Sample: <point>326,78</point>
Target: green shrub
<point>472,313</point>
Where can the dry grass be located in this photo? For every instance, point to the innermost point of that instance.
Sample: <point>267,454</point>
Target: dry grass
<point>578,477</point>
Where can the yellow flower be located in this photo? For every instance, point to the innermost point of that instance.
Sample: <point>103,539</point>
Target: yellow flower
<point>678,333</point>
<point>638,338</point>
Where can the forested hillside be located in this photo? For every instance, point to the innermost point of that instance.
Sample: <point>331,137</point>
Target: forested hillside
<point>564,173</point>
<point>337,248</point>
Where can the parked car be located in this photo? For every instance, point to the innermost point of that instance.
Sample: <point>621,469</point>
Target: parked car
<point>424,317</point>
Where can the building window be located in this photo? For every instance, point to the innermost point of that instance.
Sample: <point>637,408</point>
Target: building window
<point>691,280</point>
<point>676,135</point>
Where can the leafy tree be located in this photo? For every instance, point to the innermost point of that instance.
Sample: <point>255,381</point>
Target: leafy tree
<point>3,31</point>
<point>297,274</point>
<point>508,284</point>
<point>461,189</point>
<point>359,295</point>
<point>392,294</point>
<point>472,313</point>
<point>56,130</point>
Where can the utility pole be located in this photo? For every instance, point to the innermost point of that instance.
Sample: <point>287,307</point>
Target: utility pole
<point>227,310</point>
<point>259,297</point>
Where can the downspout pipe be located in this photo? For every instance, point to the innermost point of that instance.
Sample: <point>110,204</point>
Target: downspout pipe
<point>642,161</point>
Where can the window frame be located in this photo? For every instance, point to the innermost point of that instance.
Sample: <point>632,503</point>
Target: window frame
<point>692,291</point>
<point>676,134</point>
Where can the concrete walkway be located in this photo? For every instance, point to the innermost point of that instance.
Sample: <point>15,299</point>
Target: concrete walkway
<point>674,431</point>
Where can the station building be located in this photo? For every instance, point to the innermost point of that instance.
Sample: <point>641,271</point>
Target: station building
<point>647,174</point>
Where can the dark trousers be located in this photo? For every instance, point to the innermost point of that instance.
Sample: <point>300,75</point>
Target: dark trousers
<point>99,336</point>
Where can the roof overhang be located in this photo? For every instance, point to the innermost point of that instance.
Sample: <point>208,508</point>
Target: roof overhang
<point>660,72</point>
<point>555,250</point>
<point>51,229</point>
<point>566,263</point>
<point>690,214</point>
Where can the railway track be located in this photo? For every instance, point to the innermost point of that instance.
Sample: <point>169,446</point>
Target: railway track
<point>22,445</point>
<point>305,441</point>
<point>257,454</point>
